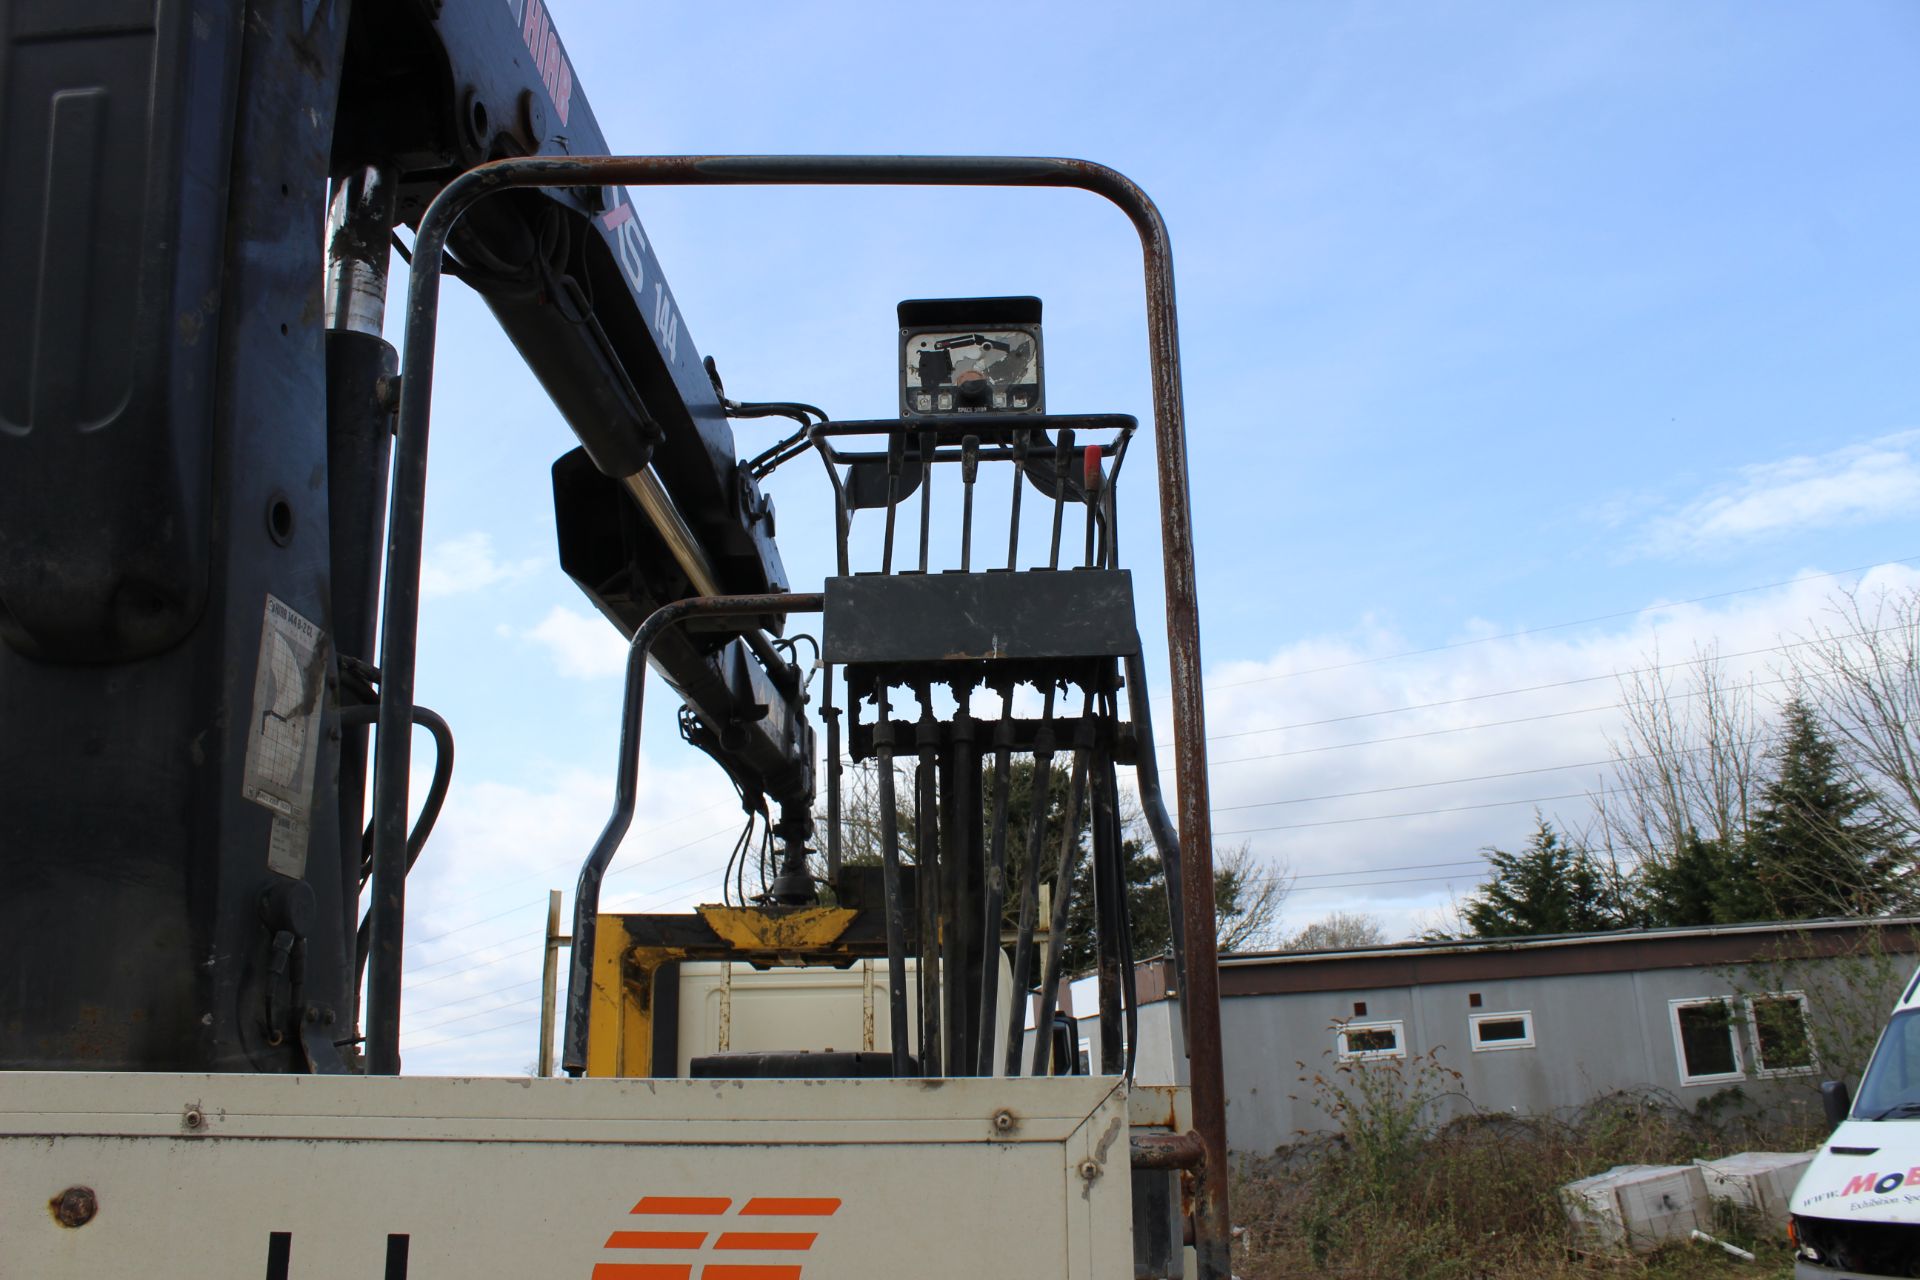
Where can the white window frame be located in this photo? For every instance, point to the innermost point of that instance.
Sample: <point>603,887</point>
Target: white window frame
<point>1680,1048</point>
<point>1494,1046</point>
<point>1397,1026</point>
<point>1760,1067</point>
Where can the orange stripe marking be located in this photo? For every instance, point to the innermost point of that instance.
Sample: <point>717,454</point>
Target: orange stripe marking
<point>766,1240</point>
<point>656,1240</point>
<point>684,1204</point>
<point>779,1206</point>
<point>640,1271</point>
<point>723,1271</point>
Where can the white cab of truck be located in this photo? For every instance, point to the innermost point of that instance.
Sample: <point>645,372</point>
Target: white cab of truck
<point>1856,1212</point>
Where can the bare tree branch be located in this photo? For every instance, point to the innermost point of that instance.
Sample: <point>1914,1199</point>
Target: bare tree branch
<point>1862,675</point>
<point>1337,931</point>
<point>1247,897</point>
<point>1689,760</point>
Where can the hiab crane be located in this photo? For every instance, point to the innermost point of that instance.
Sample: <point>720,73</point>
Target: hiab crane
<point>212,476</point>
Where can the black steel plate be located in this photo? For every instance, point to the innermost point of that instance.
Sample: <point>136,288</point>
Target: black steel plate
<point>975,617</point>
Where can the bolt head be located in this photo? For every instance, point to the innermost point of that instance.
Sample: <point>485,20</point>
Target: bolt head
<point>74,1207</point>
<point>1090,1169</point>
<point>1004,1121</point>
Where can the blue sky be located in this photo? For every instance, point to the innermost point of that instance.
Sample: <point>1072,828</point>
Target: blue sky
<point>1495,317</point>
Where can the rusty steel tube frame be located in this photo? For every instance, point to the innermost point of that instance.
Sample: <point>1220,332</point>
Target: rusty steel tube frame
<point>1201,993</point>
<point>626,788</point>
<point>1166,1151</point>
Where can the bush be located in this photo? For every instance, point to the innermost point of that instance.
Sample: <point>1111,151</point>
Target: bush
<point>1398,1192</point>
<point>1385,1109</point>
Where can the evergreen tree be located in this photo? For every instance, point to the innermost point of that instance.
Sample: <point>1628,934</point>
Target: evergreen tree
<point>1689,887</point>
<point>1819,845</point>
<point>1548,887</point>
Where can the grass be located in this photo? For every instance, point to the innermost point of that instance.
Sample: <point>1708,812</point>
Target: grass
<point>1396,1196</point>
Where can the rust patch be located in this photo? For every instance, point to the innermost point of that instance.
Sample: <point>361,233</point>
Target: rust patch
<point>74,1207</point>
<point>791,932</point>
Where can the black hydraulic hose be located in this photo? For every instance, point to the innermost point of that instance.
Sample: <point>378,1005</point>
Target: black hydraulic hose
<point>926,495</point>
<point>831,714</point>
<point>1153,803</point>
<point>896,911</point>
<point>586,896</point>
<point>958,780</point>
<point>1109,894</point>
<point>795,409</point>
<point>1129,992</point>
<point>995,895</point>
<point>842,522</point>
<point>433,723</point>
<point>1062,908</point>
<point>1030,886</point>
<point>929,908</point>
<point>1060,486</point>
<point>792,446</point>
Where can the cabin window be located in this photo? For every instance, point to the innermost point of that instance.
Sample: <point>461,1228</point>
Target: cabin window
<point>1705,1041</point>
<point>1372,1040</point>
<point>1501,1030</point>
<point>1782,1037</point>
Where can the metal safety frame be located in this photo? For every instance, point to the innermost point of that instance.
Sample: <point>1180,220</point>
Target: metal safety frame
<point>1200,997</point>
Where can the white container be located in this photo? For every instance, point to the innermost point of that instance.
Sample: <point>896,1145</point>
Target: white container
<point>1637,1206</point>
<point>1757,1182</point>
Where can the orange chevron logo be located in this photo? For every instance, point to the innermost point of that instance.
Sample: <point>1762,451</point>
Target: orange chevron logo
<point>702,1225</point>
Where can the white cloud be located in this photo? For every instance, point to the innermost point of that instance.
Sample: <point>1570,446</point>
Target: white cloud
<point>477,902</point>
<point>1374,778</point>
<point>1876,480</point>
<point>468,563</point>
<point>584,646</point>
<point>1293,738</point>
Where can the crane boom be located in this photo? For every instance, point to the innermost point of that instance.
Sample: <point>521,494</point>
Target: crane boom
<point>179,369</point>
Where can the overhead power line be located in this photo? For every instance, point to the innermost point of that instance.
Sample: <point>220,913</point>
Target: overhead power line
<point>1478,861</point>
<point>488,946</point>
<point>475,924</point>
<point>703,874</point>
<point>1651,669</point>
<point>1451,782</point>
<point>472,968</point>
<point>478,1013</point>
<point>1383,884</point>
<point>519,1020</point>
<point>1556,626</point>
<point>421,1011</point>
<point>561,864</point>
<point>1420,813</point>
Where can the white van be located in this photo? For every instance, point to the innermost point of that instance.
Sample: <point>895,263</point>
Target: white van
<point>1856,1212</point>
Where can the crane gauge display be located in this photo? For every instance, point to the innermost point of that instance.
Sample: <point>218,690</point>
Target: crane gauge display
<point>970,355</point>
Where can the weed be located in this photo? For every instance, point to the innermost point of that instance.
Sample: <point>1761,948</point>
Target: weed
<point>1397,1193</point>
<point>1384,1106</point>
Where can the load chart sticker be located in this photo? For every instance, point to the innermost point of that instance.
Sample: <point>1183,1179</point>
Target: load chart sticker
<point>283,735</point>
